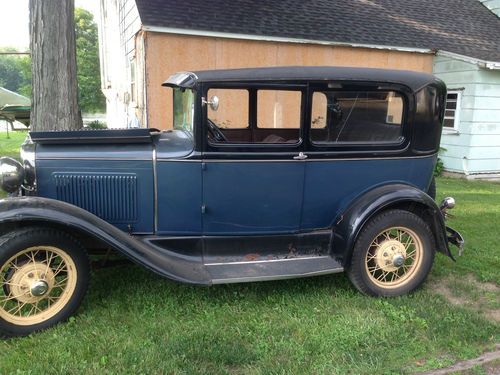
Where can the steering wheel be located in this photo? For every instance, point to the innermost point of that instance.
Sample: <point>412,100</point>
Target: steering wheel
<point>215,132</point>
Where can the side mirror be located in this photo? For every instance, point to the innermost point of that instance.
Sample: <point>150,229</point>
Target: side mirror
<point>214,103</point>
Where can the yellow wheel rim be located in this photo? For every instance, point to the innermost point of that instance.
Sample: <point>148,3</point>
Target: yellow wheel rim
<point>394,257</point>
<point>36,284</point>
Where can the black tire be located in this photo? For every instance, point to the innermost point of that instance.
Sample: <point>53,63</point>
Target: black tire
<point>432,188</point>
<point>378,252</point>
<point>28,275</point>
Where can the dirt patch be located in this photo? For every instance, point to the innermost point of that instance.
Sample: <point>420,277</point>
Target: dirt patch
<point>468,292</point>
<point>486,286</point>
<point>493,314</point>
<point>492,368</point>
<point>489,362</point>
<point>450,296</point>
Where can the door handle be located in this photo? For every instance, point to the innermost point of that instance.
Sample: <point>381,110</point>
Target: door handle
<point>300,156</point>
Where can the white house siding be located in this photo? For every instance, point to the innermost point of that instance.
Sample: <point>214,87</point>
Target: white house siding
<point>130,24</point>
<point>118,24</point>
<point>474,148</point>
<point>493,5</point>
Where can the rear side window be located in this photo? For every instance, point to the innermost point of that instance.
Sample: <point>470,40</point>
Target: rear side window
<point>356,117</point>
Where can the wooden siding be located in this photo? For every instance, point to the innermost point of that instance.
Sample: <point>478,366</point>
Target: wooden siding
<point>169,53</point>
<point>475,146</point>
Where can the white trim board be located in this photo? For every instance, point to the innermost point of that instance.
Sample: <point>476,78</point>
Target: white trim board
<point>216,34</point>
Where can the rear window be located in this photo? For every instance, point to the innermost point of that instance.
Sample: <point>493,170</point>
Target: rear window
<point>356,117</point>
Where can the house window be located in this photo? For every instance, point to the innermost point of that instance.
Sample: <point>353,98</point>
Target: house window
<point>452,111</point>
<point>133,92</point>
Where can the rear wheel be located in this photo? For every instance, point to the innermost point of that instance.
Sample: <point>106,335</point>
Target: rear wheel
<point>392,255</point>
<point>44,274</point>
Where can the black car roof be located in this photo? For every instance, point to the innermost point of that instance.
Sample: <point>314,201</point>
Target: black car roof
<point>413,80</point>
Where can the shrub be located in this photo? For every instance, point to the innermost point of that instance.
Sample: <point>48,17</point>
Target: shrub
<point>439,167</point>
<point>96,124</point>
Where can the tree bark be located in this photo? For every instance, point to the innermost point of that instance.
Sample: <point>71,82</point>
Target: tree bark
<point>54,104</point>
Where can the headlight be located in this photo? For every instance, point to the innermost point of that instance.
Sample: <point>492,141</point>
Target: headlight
<point>11,174</point>
<point>28,158</point>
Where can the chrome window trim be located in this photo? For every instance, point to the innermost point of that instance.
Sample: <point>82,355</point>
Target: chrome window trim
<point>291,160</point>
<point>88,158</point>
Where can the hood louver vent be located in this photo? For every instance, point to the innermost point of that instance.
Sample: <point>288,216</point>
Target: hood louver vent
<point>112,197</point>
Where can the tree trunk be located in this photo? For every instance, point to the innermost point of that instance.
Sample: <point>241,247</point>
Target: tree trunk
<point>54,104</point>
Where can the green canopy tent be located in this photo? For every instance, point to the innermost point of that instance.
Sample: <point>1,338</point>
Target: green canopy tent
<point>14,107</point>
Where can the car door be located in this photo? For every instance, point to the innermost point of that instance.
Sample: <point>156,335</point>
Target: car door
<point>252,170</point>
<point>357,137</point>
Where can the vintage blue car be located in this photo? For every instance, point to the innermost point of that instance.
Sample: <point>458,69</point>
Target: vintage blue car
<point>267,173</point>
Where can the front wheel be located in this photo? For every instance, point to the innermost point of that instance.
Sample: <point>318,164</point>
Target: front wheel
<point>44,275</point>
<point>392,255</point>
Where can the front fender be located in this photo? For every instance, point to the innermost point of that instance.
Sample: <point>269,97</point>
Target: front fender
<point>43,211</point>
<point>348,225</point>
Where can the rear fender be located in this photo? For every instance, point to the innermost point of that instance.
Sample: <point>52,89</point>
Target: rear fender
<point>349,224</point>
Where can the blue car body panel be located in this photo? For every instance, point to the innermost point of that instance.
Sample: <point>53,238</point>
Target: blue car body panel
<point>120,192</point>
<point>208,197</point>
<point>179,197</point>
<point>252,197</point>
<point>330,186</point>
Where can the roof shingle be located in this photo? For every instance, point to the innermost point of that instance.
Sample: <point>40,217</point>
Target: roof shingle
<point>465,27</point>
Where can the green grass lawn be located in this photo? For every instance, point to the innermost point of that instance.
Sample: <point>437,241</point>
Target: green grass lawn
<point>135,322</point>
<point>10,146</point>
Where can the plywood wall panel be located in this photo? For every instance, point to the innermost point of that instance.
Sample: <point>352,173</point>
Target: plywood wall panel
<point>169,53</point>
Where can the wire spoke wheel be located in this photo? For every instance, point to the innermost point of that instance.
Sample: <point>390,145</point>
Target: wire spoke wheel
<point>393,257</point>
<point>393,254</point>
<point>36,284</point>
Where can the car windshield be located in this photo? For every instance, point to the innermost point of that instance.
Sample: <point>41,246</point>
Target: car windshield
<point>183,109</point>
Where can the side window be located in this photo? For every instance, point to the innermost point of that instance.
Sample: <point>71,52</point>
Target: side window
<point>232,112</point>
<point>254,116</point>
<point>278,116</point>
<point>319,110</point>
<point>356,117</point>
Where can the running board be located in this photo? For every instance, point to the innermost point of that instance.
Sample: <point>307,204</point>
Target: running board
<point>276,269</point>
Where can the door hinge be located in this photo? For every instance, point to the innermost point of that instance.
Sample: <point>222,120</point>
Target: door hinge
<point>203,208</point>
